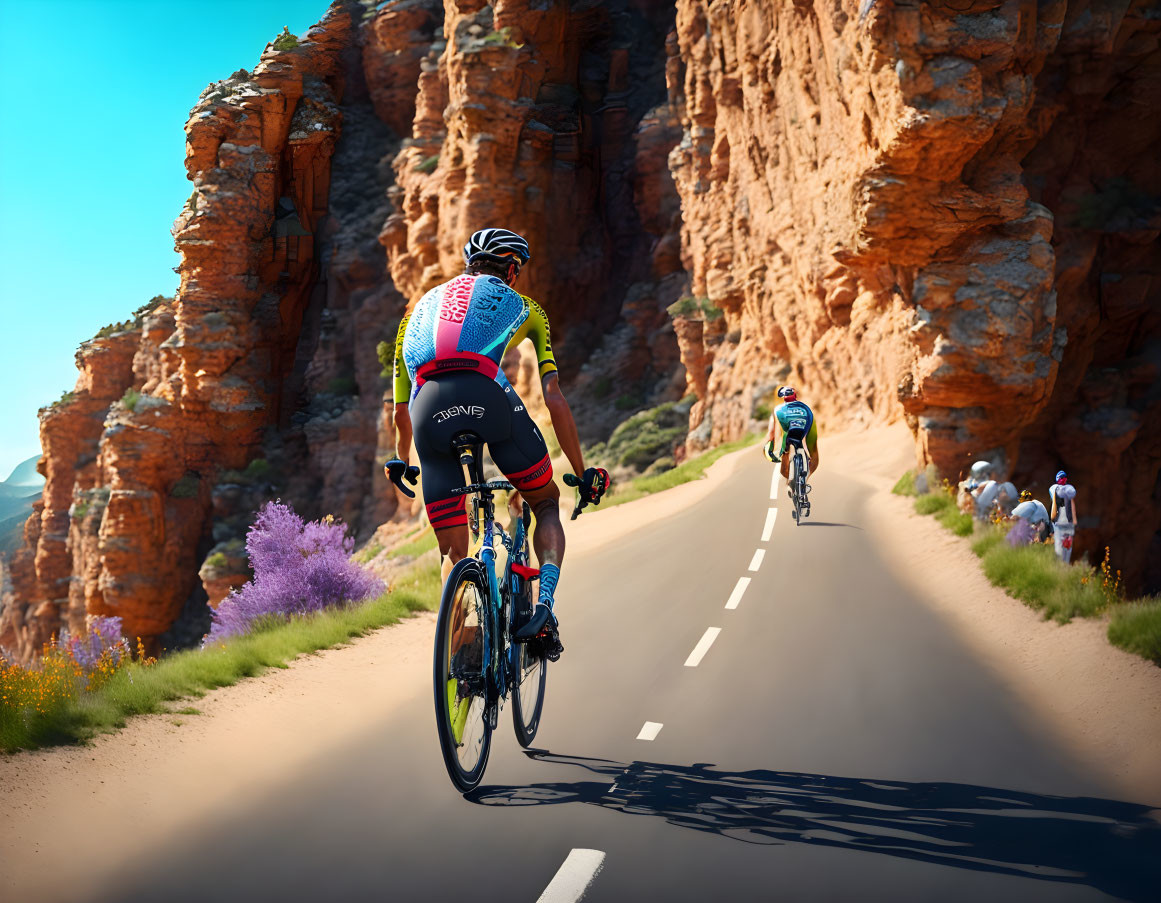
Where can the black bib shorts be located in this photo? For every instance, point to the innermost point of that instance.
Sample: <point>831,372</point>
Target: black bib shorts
<point>450,403</point>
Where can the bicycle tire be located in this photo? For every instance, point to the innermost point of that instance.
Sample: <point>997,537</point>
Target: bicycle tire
<point>799,495</point>
<point>531,679</point>
<point>466,592</point>
<point>530,672</point>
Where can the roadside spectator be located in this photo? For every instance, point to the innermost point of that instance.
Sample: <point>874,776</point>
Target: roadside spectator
<point>981,471</point>
<point>1063,515</point>
<point>1031,521</point>
<point>1001,495</point>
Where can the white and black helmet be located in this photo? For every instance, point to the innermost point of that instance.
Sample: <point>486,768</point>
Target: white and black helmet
<point>496,243</point>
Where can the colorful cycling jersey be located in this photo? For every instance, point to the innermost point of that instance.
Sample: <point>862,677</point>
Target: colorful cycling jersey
<point>797,422</point>
<point>467,324</point>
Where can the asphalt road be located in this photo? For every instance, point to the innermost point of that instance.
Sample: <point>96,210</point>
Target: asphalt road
<point>835,742</point>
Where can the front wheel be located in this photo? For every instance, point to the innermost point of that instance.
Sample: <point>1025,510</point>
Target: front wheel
<point>460,673</point>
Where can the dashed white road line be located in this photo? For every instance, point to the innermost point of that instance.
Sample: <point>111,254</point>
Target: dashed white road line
<point>573,878</point>
<point>736,595</point>
<point>771,516</point>
<point>756,561</point>
<point>702,647</point>
<point>774,484</point>
<point>650,730</point>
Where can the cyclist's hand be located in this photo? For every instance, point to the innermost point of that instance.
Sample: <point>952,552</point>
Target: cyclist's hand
<point>595,483</point>
<point>396,470</point>
<point>768,451</point>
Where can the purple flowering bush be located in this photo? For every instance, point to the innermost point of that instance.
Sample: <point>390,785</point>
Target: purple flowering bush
<point>1022,533</point>
<point>103,637</point>
<point>299,568</point>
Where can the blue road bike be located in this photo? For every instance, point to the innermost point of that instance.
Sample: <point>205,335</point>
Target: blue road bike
<point>478,664</point>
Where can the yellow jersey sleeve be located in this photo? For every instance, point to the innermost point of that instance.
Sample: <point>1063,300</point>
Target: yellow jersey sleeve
<point>536,329</point>
<point>402,391</point>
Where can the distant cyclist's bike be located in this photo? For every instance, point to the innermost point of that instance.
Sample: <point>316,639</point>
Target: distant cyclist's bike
<point>799,471</point>
<point>478,664</point>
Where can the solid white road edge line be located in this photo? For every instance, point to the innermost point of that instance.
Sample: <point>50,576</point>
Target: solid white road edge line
<point>702,647</point>
<point>756,561</point>
<point>573,878</point>
<point>774,484</point>
<point>736,595</point>
<point>650,730</point>
<point>771,516</point>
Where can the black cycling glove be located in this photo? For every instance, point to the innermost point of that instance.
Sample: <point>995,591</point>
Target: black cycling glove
<point>594,484</point>
<point>396,470</point>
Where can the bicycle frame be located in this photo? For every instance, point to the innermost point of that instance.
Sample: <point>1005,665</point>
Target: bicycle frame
<point>501,595</point>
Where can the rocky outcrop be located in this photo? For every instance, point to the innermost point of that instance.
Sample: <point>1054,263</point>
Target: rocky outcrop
<point>893,205</point>
<point>154,453</point>
<point>262,377</point>
<point>545,118</point>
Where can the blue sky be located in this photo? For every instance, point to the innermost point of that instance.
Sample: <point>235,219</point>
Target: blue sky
<point>93,100</point>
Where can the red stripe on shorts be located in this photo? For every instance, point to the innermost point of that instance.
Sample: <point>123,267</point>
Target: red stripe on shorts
<point>448,512</point>
<point>535,477</point>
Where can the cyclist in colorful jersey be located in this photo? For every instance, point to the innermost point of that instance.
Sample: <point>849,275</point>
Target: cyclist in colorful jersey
<point>448,380</point>
<point>796,420</point>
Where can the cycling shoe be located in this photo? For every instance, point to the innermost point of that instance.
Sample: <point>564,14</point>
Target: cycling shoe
<point>546,644</point>
<point>541,617</point>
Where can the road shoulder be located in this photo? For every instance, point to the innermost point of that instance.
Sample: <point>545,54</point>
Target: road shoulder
<point>1104,703</point>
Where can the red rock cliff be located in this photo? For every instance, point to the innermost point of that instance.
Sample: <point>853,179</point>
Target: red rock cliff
<point>946,213</point>
<point>261,377</point>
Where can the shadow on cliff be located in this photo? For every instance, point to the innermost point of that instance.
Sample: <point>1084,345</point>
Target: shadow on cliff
<point>1112,846</point>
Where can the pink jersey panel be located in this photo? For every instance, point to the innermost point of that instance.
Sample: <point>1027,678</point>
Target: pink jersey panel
<point>453,307</point>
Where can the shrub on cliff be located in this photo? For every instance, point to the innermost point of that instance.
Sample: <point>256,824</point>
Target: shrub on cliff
<point>645,437</point>
<point>285,40</point>
<point>299,568</point>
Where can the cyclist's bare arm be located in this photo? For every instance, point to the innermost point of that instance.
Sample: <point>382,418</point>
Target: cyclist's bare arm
<point>772,430</point>
<point>563,423</point>
<point>403,432</point>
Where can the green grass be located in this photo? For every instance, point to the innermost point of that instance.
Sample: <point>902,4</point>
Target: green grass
<point>427,165</point>
<point>368,552</point>
<point>145,689</point>
<point>986,540</point>
<point>956,521</point>
<point>1029,573</point>
<point>1136,627</point>
<point>690,469</point>
<point>425,542</point>
<point>1036,577</point>
<point>934,503</point>
<point>906,484</point>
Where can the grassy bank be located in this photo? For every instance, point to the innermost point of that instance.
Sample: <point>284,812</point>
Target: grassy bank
<point>690,469</point>
<point>138,689</point>
<point>1034,575</point>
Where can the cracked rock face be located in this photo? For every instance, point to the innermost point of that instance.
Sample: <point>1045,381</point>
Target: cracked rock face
<point>261,377</point>
<point>949,214</point>
<point>907,210</point>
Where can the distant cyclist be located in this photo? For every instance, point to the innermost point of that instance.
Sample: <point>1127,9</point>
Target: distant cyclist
<point>448,380</point>
<point>796,421</point>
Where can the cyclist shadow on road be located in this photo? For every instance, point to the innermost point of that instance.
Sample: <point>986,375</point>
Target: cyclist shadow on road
<point>1112,846</point>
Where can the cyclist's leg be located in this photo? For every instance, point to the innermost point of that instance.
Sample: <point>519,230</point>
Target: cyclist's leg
<point>812,447</point>
<point>434,426</point>
<point>523,457</point>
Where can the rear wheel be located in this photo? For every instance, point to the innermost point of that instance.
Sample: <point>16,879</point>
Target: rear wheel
<point>528,698</point>
<point>461,657</point>
<point>798,492</point>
